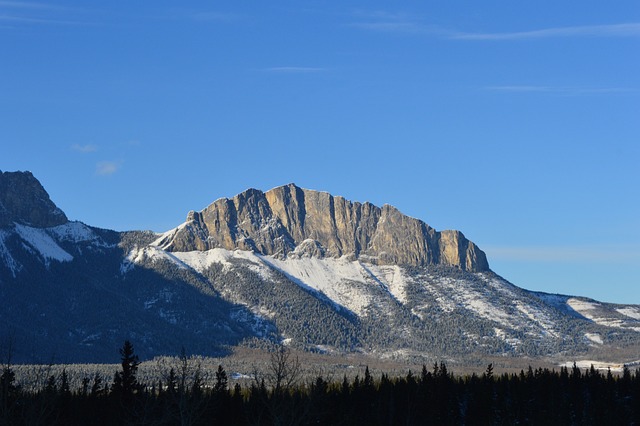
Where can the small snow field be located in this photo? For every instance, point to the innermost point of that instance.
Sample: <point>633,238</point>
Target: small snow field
<point>630,312</point>
<point>41,241</point>
<point>138,256</point>
<point>349,284</point>
<point>5,255</point>
<point>582,306</point>
<point>594,337</point>
<point>615,367</point>
<point>606,316</point>
<point>73,231</point>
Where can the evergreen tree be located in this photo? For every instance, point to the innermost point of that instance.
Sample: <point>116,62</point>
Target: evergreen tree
<point>125,382</point>
<point>221,381</point>
<point>7,392</point>
<point>488,374</point>
<point>368,380</point>
<point>96,387</point>
<point>65,389</point>
<point>172,382</point>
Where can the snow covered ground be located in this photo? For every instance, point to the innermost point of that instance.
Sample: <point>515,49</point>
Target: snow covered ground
<point>358,286</point>
<point>349,284</point>
<point>615,367</point>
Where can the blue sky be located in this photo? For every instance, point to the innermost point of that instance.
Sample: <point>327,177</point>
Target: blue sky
<point>517,123</point>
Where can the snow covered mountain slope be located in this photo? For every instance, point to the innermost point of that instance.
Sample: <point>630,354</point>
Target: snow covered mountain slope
<point>289,266</point>
<point>400,311</point>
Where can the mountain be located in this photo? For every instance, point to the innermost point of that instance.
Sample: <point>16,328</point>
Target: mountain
<point>290,265</point>
<point>279,221</point>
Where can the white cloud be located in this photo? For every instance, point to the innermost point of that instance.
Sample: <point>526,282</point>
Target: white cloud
<point>560,254</point>
<point>614,30</point>
<point>84,148</point>
<point>106,168</point>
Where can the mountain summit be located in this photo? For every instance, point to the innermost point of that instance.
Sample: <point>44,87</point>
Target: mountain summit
<point>289,220</point>
<point>23,200</point>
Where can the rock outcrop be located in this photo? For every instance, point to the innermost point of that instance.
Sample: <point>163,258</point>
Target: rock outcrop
<point>23,200</point>
<point>286,218</point>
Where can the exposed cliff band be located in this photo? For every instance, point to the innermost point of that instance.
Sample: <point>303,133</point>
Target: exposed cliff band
<point>25,201</point>
<point>286,218</point>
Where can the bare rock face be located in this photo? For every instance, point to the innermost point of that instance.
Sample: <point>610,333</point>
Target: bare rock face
<point>300,222</point>
<point>23,200</point>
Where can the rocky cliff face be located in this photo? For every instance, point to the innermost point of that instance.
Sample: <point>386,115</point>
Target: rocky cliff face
<point>278,221</point>
<point>23,200</point>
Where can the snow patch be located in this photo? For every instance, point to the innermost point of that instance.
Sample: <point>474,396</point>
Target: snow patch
<point>5,255</point>
<point>581,306</point>
<point>239,376</point>
<point>75,232</point>
<point>347,283</point>
<point>630,312</point>
<point>615,367</point>
<point>453,293</point>
<point>42,242</point>
<point>392,278</point>
<point>596,313</point>
<point>594,337</point>
<point>537,316</point>
<point>201,260</point>
<point>139,256</point>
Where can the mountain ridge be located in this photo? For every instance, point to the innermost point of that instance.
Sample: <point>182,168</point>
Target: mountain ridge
<point>76,292</point>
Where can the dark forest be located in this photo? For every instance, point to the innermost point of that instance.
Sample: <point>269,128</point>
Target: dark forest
<point>432,396</point>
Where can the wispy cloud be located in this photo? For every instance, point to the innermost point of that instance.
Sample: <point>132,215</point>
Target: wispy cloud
<point>84,148</point>
<point>560,254</point>
<point>382,21</point>
<point>18,12</point>
<point>294,70</point>
<point>390,27</point>
<point>561,90</point>
<point>28,20</point>
<point>107,168</point>
<point>389,22</point>
<point>613,30</point>
<point>29,5</point>
<point>181,13</point>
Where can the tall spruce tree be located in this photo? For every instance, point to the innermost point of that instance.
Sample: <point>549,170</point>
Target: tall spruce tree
<point>125,382</point>
<point>221,381</point>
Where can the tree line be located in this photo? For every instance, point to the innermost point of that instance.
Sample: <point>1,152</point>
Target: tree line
<point>280,396</point>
